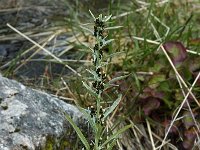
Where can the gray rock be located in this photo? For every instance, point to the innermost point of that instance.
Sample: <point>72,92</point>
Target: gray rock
<point>34,120</point>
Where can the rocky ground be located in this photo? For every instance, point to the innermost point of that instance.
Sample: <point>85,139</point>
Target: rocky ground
<point>32,119</point>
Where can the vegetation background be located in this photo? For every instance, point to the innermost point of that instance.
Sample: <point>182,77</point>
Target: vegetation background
<point>158,45</point>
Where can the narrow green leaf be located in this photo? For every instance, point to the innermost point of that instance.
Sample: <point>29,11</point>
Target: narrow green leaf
<point>118,78</point>
<point>78,131</point>
<point>111,108</point>
<point>94,74</point>
<point>90,119</point>
<point>137,81</point>
<point>91,79</point>
<point>107,86</point>
<point>112,28</point>
<point>106,18</point>
<point>84,44</point>
<point>115,135</point>
<point>107,42</point>
<point>89,89</point>
<point>92,15</point>
<point>90,31</point>
<point>100,17</point>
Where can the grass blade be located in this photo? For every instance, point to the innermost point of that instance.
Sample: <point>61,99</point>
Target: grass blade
<point>107,42</point>
<point>78,131</point>
<point>114,105</point>
<point>89,89</point>
<point>95,75</point>
<point>90,119</point>
<point>106,18</point>
<point>115,135</point>
<point>92,15</point>
<point>117,78</point>
<point>84,28</point>
<point>115,27</point>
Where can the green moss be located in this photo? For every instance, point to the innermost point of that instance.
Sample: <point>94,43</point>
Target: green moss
<point>59,144</point>
<point>65,144</point>
<point>50,143</point>
<point>65,140</point>
<point>68,140</point>
<point>17,130</point>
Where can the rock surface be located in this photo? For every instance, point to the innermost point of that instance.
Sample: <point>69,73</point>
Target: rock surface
<point>33,120</point>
